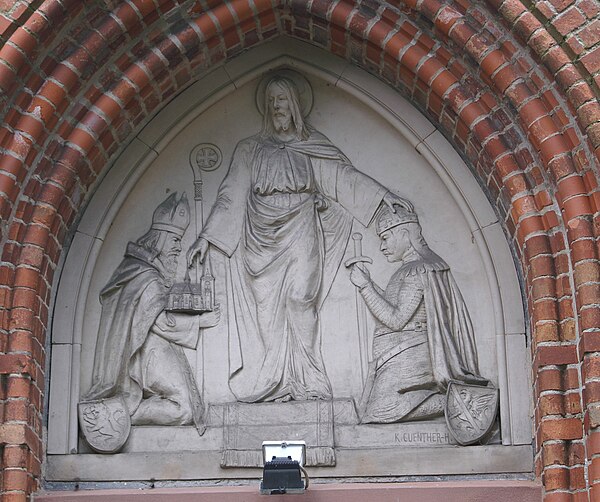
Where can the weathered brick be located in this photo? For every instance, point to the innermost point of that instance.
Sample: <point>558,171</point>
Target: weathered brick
<point>590,8</point>
<point>556,355</point>
<point>561,428</point>
<point>591,392</point>
<point>568,21</point>
<point>551,404</point>
<point>590,34</point>
<point>555,478</point>
<point>591,60</point>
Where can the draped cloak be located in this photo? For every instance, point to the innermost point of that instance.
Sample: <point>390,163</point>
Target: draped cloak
<point>451,337</point>
<point>283,215</point>
<point>132,301</point>
<point>449,352</point>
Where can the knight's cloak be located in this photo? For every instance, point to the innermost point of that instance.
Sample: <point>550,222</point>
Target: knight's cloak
<point>423,360</point>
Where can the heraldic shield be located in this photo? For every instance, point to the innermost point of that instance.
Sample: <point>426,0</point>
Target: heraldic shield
<point>470,411</point>
<point>105,423</point>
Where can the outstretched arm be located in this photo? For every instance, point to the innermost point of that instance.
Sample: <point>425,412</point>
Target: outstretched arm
<point>198,248</point>
<point>223,226</point>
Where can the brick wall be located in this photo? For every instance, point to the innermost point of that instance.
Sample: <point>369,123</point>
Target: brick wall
<point>513,84</point>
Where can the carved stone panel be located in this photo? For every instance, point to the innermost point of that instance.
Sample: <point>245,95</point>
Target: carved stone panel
<point>470,411</point>
<point>309,290</point>
<point>246,426</point>
<point>105,424</point>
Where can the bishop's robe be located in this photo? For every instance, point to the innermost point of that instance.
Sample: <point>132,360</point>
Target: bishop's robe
<point>283,216</point>
<point>139,350</point>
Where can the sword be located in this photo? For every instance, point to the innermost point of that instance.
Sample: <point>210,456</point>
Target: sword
<point>361,309</point>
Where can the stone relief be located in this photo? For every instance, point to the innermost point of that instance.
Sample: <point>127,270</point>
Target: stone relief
<point>105,423</point>
<point>206,157</point>
<point>424,337</point>
<point>283,219</point>
<point>283,216</point>
<point>470,411</point>
<point>141,374</point>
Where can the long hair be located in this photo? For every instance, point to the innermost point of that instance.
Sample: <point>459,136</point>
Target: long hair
<point>268,129</point>
<point>152,241</point>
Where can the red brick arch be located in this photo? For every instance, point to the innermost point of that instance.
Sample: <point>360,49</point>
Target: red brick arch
<point>505,86</point>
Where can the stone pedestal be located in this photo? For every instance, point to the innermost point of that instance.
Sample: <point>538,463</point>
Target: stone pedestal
<point>246,426</point>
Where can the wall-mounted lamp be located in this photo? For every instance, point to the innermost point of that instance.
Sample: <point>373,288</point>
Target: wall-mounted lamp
<point>283,467</point>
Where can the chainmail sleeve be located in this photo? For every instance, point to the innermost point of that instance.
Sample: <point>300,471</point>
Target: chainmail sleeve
<point>393,316</point>
<point>378,290</point>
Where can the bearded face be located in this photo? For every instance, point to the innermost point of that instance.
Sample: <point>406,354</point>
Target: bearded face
<point>169,255</point>
<point>279,106</point>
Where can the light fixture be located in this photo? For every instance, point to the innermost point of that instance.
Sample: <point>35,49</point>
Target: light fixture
<point>283,465</point>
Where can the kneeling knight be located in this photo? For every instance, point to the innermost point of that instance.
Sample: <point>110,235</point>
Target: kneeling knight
<point>424,336</point>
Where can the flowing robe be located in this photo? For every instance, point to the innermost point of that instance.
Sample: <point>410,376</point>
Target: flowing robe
<point>139,350</point>
<point>283,215</point>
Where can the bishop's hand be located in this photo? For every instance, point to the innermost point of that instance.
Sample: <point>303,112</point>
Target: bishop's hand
<point>199,248</point>
<point>210,319</point>
<point>390,199</point>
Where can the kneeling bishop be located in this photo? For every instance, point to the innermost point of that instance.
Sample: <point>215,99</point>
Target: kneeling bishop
<point>139,350</point>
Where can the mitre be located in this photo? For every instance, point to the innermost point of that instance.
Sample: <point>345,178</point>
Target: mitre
<point>173,215</point>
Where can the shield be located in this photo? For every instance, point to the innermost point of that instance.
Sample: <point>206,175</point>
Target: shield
<point>105,423</point>
<point>470,411</point>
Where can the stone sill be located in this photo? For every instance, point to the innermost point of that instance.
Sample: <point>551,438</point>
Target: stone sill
<point>360,463</point>
<point>455,491</point>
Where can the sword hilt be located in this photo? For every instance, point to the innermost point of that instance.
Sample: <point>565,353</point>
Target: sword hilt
<point>358,256</point>
<point>357,259</point>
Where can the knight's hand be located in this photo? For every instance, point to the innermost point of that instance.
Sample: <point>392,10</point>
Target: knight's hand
<point>197,248</point>
<point>210,319</point>
<point>390,199</point>
<point>359,276</point>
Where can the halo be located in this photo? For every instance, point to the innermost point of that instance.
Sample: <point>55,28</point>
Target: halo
<point>302,84</point>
